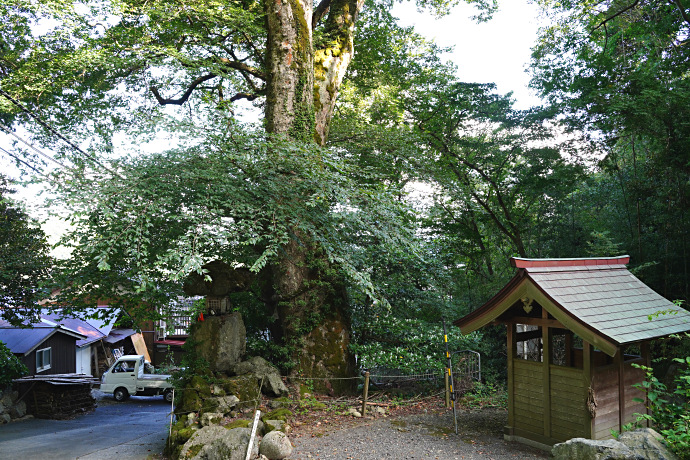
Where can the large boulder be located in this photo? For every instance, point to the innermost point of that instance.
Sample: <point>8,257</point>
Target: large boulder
<point>276,446</point>
<point>589,449</point>
<point>219,280</point>
<point>642,444</point>
<point>647,443</point>
<point>218,443</point>
<point>263,370</point>
<point>222,340</point>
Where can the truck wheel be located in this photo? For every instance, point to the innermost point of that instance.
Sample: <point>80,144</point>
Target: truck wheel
<point>168,396</point>
<point>120,394</point>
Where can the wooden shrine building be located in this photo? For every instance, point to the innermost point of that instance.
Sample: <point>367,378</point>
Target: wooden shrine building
<point>575,327</point>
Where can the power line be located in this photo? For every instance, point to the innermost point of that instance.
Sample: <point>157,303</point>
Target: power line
<point>54,131</point>
<point>48,157</point>
<point>22,161</point>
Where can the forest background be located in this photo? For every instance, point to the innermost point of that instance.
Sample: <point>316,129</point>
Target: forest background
<point>379,193</point>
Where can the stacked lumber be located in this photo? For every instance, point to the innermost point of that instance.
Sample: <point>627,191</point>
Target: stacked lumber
<point>57,396</point>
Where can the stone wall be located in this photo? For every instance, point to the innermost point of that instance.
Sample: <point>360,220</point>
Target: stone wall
<point>11,408</point>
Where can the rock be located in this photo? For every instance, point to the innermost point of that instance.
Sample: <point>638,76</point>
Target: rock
<point>245,387</point>
<point>5,418</point>
<point>276,446</point>
<point>191,418</point>
<point>642,444</point>
<point>222,340</point>
<point>225,280</point>
<point>18,410</point>
<point>226,404</point>
<point>216,443</point>
<point>2,408</point>
<point>354,412</point>
<point>275,425</point>
<point>9,397</point>
<point>262,369</point>
<point>588,449</point>
<point>380,410</point>
<point>217,390</point>
<point>211,418</point>
<point>279,403</point>
<point>647,443</point>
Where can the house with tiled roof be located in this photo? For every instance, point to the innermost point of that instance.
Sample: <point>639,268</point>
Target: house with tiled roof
<point>576,328</point>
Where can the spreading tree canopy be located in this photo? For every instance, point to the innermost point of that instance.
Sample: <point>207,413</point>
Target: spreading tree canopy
<point>272,201</point>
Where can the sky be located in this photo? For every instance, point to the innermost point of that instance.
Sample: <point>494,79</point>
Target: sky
<point>495,51</point>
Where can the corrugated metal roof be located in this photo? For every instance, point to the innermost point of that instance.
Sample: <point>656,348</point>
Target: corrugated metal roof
<point>600,294</point>
<point>118,334</point>
<point>79,325</point>
<point>24,340</point>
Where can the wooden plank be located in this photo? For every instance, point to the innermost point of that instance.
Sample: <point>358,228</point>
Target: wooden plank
<point>588,422</point>
<point>512,351</point>
<point>531,424</point>
<point>530,321</point>
<point>525,365</point>
<point>532,377</point>
<point>533,387</point>
<point>573,429</point>
<point>567,372</point>
<point>569,388</point>
<point>527,390</point>
<point>546,372</point>
<point>140,346</point>
<point>567,407</point>
<point>528,406</point>
<point>539,437</point>
<point>621,387</point>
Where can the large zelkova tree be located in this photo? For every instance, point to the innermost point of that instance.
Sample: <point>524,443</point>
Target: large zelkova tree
<point>618,71</point>
<point>273,201</point>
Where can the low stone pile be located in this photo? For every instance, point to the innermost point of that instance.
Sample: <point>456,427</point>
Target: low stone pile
<point>11,408</point>
<point>212,436</point>
<point>213,403</point>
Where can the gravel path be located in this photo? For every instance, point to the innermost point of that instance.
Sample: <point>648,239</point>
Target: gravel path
<point>420,436</point>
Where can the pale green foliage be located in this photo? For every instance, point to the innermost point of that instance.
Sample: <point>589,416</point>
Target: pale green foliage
<point>669,407</point>
<point>233,197</point>
<point>409,345</point>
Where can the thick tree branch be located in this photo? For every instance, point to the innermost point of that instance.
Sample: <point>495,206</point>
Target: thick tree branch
<point>241,66</point>
<point>320,12</point>
<point>615,15</point>
<point>247,96</point>
<point>185,96</point>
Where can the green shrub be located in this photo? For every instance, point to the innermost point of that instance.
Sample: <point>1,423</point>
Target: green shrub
<point>10,366</point>
<point>670,408</point>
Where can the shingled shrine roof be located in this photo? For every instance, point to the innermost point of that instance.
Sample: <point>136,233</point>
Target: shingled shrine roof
<point>598,299</point>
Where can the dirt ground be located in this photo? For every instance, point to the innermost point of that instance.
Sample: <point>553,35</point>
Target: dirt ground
<point>424,429</point>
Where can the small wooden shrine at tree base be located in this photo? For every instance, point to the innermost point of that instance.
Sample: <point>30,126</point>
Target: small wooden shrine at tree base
<point>575,327</point>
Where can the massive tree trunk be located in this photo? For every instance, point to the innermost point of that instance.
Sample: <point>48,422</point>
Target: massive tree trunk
<point>302,288</point>
<point>331,61</point>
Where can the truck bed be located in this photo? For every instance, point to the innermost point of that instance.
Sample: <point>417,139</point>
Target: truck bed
<point>154,377</point>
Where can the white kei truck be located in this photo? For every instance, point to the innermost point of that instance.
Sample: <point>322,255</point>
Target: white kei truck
<point>126,378</point>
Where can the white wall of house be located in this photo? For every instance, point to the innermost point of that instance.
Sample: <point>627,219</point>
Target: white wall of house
<point>84,359</point>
